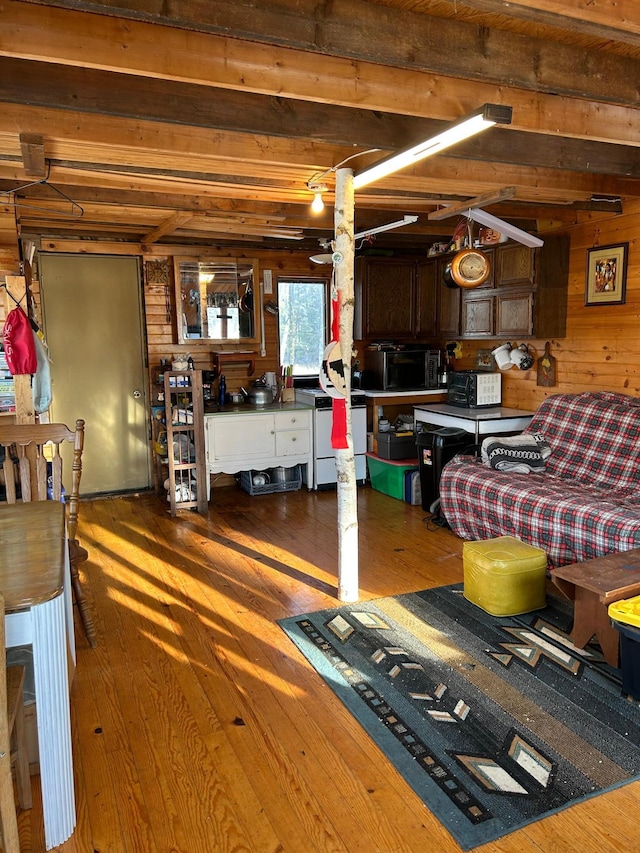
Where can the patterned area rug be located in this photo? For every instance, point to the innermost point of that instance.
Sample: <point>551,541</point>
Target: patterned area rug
<point>494,722</point>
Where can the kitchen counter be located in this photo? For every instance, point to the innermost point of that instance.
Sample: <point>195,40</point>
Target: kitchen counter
<point>478,422</point>
<point>402,395</point>
<point>390,404</point>
<point>251,409</point>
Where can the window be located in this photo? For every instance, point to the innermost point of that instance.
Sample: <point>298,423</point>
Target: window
<point>303,324</point>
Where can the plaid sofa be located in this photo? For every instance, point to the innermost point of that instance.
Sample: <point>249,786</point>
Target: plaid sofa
<point>587,501</point>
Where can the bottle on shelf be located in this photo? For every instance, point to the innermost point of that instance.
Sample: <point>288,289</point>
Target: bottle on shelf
<point>222,390</point>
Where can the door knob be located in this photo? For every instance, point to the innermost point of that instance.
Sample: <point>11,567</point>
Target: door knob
<point>137,395</point>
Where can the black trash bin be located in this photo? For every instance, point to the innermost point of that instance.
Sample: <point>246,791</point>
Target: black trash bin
<point>435,448</point>
<point>624,617</point>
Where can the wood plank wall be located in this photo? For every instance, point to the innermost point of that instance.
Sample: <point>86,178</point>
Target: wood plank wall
<point>601,350</point>
<point>161,314</point>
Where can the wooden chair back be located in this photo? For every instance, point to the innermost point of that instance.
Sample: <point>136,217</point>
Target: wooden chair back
<point>32,469</point>
<point>29,448</point>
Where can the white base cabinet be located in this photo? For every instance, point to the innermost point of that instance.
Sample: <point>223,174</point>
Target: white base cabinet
<point>238,440</point>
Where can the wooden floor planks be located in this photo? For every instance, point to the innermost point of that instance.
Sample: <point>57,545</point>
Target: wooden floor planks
<point>198,727</point>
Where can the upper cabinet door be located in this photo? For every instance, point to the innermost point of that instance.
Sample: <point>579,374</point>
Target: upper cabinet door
<point>216,300</point>
<point>516,265</point>
<point>426,300</point>
<point>477,317</point>
<point>389,299</point>
<point>449,304</point>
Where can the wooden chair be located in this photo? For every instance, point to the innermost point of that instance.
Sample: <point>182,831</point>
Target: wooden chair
<point>33,472</point>
<point>12,745</point>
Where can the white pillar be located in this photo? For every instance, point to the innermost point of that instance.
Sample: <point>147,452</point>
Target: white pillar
<point>345,461</point>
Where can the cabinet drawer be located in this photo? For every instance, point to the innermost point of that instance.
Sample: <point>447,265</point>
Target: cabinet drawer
<point>293,442</point>
<point>292,420</point>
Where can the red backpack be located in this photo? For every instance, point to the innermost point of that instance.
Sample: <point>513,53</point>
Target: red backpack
<point>19,347</point>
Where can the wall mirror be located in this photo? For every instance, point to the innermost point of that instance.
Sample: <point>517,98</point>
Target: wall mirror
<point>216,299</point>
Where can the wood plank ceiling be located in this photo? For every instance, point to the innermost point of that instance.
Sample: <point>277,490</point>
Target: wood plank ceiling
<point>196,122</point>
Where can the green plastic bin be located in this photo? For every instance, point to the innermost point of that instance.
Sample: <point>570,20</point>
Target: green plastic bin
<point>387,475</point>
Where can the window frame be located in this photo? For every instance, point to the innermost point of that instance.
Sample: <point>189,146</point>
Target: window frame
<point>324,280</point>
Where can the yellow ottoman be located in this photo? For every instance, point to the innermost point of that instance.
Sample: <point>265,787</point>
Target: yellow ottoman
<point>504,576</point>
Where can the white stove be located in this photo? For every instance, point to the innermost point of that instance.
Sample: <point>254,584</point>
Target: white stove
<point>324,475</point>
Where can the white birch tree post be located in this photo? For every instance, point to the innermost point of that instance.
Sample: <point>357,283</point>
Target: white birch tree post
<point>347,492</point>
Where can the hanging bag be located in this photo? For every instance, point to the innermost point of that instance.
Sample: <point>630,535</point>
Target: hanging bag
<point>19,347</point>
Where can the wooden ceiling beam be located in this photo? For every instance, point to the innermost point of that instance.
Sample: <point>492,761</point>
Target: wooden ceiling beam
<point>145,154</point>
<point>474,73</point>
<point>601,19</point>
<point>127,96</point>
<point>171,224</point>
<point>478,201</point>
<point>387,35</point>
<point>163,201</point>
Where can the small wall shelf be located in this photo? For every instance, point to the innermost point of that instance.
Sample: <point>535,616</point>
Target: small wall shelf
<point>220,358</point>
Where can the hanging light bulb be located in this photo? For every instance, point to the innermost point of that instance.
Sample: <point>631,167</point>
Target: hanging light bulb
<point>317,205</point>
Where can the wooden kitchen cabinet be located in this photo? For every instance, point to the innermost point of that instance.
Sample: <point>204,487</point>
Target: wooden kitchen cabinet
<point>449,304</point>
<point>426,295</point>
<point>477,316</point>
<point>515,265</point>
<point>527,297</point>
<point>385,298</point>
<point>404,299</point>
<point>514,315</point>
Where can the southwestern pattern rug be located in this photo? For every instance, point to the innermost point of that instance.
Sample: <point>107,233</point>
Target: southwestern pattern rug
<point>494,722</point>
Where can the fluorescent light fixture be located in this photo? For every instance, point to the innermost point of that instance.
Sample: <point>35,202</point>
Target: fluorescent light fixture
<point>406,220</point>
<point>481,119</point>
<point>503,227</point>
<point>329,257</point>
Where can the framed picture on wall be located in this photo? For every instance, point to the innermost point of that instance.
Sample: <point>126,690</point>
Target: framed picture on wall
<point>606,275</point>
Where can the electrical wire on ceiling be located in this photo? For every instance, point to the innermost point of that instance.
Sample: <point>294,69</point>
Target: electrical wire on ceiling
<point>320,175</point>
<point>75,210</point>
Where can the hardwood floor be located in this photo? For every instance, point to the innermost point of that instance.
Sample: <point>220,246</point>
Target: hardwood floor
<point>197,725</point>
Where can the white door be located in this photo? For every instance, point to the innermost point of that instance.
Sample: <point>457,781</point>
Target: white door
<point>93,322</point>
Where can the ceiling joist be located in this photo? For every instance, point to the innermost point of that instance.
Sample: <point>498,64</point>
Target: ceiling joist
<point>194,120</point>
<point>479,201</point>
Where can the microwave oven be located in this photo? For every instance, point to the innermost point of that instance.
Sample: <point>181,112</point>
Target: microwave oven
<point>401,370</point>
<point>473,389</point>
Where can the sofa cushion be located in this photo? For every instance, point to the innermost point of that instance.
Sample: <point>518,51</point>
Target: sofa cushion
<point>586,504</point>
<point>571,523</point>
<point>594,437</point>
